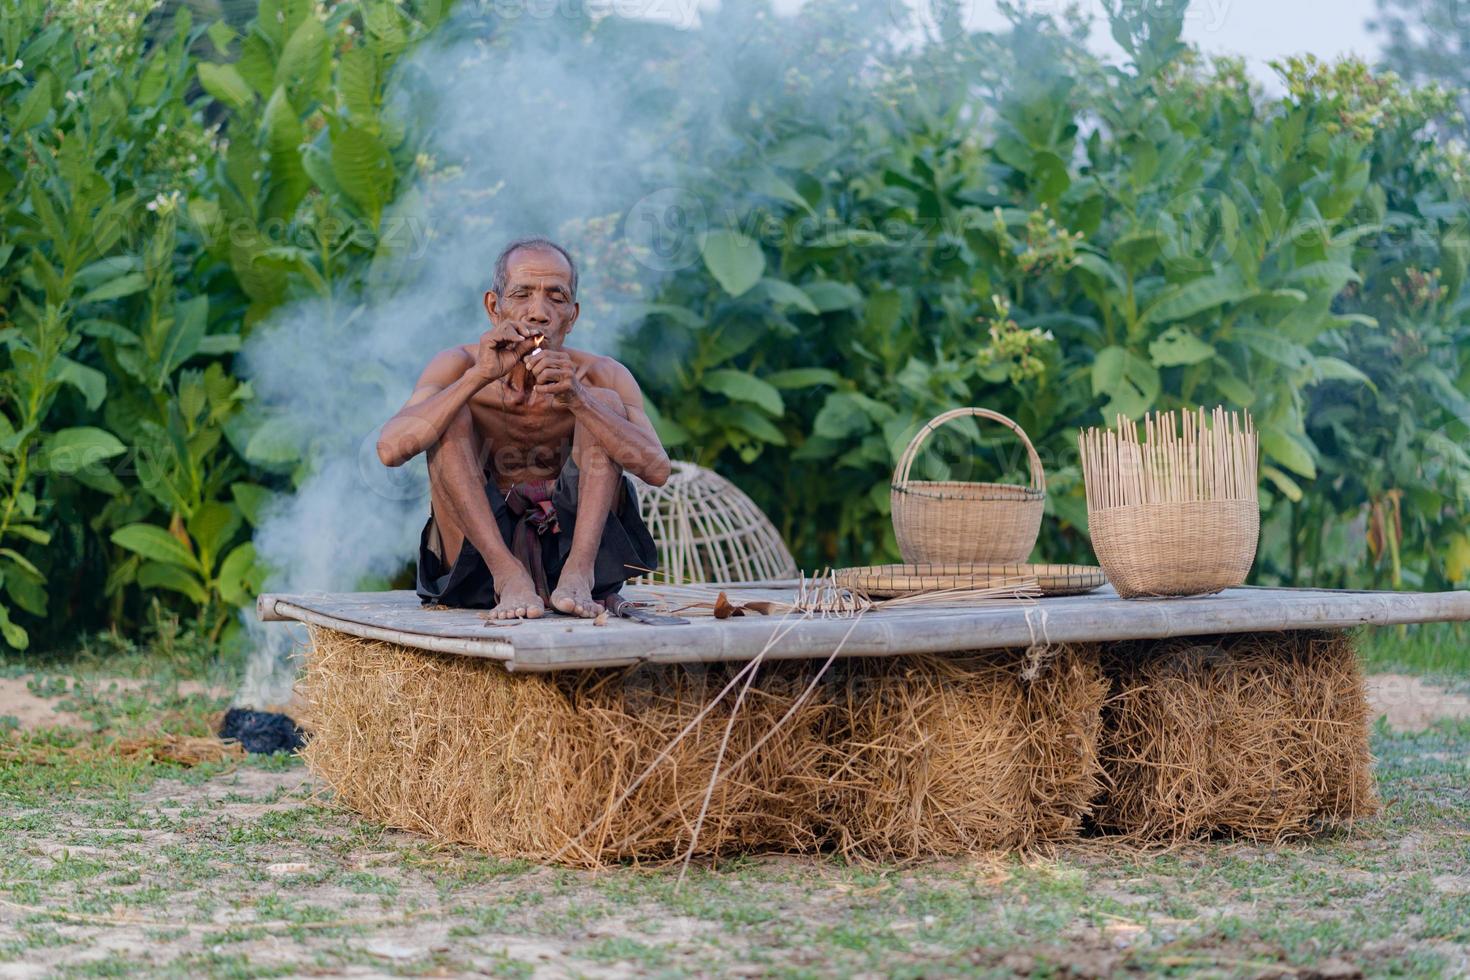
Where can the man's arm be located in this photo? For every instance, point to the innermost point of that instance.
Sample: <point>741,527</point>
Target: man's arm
<point>445,387</point>
<point>628,437</point>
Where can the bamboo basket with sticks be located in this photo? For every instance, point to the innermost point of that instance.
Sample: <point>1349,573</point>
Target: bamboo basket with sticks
<point>1176,513</point>
<point>952,521</point>
<point>707,530</point>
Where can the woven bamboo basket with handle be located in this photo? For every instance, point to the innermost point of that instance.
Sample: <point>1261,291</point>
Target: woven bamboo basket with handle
<point>948,521</point>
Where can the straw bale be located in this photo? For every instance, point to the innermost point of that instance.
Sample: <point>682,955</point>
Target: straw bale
<point>888,758</point>
<point>1261,736</point>
<point>957,754</point>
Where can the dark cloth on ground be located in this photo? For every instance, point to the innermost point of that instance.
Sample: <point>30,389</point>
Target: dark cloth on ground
<point>262,732</point>
<point>537,524</point>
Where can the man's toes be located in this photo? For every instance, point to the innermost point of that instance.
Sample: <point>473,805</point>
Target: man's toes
<point>533,612</point>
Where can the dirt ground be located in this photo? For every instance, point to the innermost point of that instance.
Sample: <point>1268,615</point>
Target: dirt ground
<point>34,705</point>
<point>1411,704</point>
<point>247,869</point>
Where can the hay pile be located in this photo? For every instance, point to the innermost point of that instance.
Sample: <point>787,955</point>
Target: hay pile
<point>888,758</point>
<point>953,754</point>
<point>1261,735</point>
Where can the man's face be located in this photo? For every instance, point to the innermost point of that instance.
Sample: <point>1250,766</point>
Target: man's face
<point>538,293</point>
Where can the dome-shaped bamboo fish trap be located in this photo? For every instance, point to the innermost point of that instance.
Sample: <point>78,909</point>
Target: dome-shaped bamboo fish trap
<point>707,530</point>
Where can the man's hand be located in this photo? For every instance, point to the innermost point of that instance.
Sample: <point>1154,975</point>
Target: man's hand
<point>556,375</point>
<point>501,347</point>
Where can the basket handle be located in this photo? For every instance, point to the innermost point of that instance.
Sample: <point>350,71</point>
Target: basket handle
<point>906,461</point>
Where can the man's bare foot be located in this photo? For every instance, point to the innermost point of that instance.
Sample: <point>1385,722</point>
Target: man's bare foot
<point>573,596</point>
<point>517,595</point>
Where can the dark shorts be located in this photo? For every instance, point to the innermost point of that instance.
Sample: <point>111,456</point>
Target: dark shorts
<point>626,550</point>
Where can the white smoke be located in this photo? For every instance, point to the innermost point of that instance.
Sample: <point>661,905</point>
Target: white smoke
<point>535,128</point>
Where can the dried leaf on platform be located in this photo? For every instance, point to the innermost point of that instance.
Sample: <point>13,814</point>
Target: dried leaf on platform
<point>724,608</point>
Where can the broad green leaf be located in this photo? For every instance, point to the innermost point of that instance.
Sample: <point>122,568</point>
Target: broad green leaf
<point>1130,383</point>
<point>1182,302</point>
<point>211,526</point>
<point>221,35</point>
<point>803,378</point>
<point>157,575</point>
<point>681,315</point>
<point>883,311</point>
<point>1445,389</point>
<point>1457,558</point>
<point>1049,176</point>
<point>1336,369</point>
<point>769,184</point>
<point>670,433</point>
<point>274,442</point>
<point>1176,346</point>
<point>105,270</point>
<point>782,292</point>
<point>283,139</point>
<point>1235,391</point>
<point>745,387</point>
<point>155,544</point>
<point>155,75</point>
<point>69,450</point>
<point>28,592</point>
<point>357,80</point>
<point>239,576</point>
<point>1273,347</point>
<point>850,238</point>
<point>841,417</point>
<point>1102,269</point>
<point>252,499</point>
<point>735,261</point>
<point>1289,451</point>
<point>91,382</point>
<point>1137,249</point>
<point>363,169</point>
<point>257,63</point>
<point>225,84</point>
<point>801,152</point>
<point>385,26</point>
<point>1329,276</point>
<point>34,534</point>
<point>829,295</point>
<point>127,285</point>
<point>218,343</point>
<point>301,59</point>
<point>15,636</point>
<point>1289,488</point>
<point>34,106</point>
<point>182,340</point>
<point>21,562</point>
<point>99,479</point>
<point>751,422</point>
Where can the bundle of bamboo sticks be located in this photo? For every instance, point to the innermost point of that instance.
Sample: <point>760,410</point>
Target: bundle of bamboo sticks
<point>1184,457</point>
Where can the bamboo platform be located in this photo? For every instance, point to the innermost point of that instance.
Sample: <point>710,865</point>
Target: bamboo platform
<point>562,643</point>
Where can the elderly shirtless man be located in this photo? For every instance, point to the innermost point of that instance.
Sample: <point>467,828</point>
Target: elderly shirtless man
<point>528,441</point>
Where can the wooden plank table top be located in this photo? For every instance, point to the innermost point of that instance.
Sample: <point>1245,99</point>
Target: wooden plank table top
<point>558,642</point>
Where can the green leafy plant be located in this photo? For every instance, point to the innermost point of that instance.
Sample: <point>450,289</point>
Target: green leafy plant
<point>1113,241</point>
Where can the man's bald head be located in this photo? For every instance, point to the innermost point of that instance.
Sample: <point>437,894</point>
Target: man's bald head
<point>502,262</point>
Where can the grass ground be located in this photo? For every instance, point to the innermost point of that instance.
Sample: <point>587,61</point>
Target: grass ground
<point>117,867</point>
